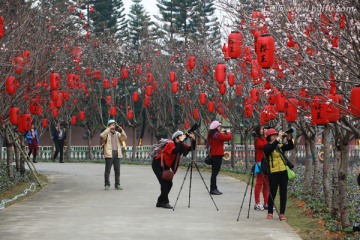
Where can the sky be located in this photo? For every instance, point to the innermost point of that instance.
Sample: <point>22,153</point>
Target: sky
<point>149,5</point>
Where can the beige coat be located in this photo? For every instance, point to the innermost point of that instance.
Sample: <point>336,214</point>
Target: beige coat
<point>106,142</point>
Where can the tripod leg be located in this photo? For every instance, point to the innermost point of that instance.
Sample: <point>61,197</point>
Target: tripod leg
<point>242,203</point>
<point>197,168</point>
<point>251,190</point>
<point>191,170</point>
<point>181,186</point>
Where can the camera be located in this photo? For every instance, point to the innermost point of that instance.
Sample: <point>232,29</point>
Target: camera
<point>192,129</point>
<point>289,131</point>
<point>118,128</point>
<point>267,127</point>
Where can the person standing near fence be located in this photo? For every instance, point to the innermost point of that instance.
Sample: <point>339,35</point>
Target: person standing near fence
<point>59,137</point>
<point>32,137</point>
<point>110,140</point>
<point>216,139</point>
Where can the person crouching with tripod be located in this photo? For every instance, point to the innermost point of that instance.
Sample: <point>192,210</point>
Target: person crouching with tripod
<point>277,169</point>
<point>169,157</point>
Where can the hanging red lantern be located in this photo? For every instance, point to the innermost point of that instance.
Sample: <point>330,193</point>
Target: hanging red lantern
<point>354,107</point>
<point>65,95</point>
<point>44,123</point>
<point>290,43</point>
<point>147,101</point>
<point>319,110</point>
<point>106,83</point>
<point>255,95</point>
<point>220,72</point>
<point>54,81</point>
<point>211,106</point>
<point>55,112</point>
<point>2,28</point>
<point>187,86</point>
<point>280,102</point>
<point>335,43</point>
<point>112,111</point>
<point>114,82</point>
<point>172,77</point>
<point>191,62</point>
<point>149,77</point>
<point>26,121</point>
<point>88,71</point>
<point>130,115</point>
<point>231,79</point>
<point>73,120</point>
<point>238,90</point>
<point>290,110</point>
<point>81,115</point>
<point>135,97</point>
<point>148,90</point>
<point>55,94</point>
<point>333,110</point>
<point>10,85</point>
<point>248,110</point>
<point>175,87</point>
<point>35,108</point>
<point>186,124</point>
<point>196,114</point>
<point>14,115</point>
<point>108,100</point>
<point>96,74</point>
<point>59,102</point>
<point>265,50</point>
<point>235,44</point>
<point>124,73</point>
<point>18,64</point>
<point>138,69</point>
<point>202,98</point>
<point>222,88</point>
<point>342,22</point>
<point>256,71</point>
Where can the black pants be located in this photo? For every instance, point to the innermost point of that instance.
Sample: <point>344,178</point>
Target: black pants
<point>59,148</point>
<point>216,162</point>
<point>34,153</point>
<point>108,164</point>
<point>278,179</point>
<point>165,186</point>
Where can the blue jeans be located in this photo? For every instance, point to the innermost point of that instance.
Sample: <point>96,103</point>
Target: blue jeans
<point>108,164</point>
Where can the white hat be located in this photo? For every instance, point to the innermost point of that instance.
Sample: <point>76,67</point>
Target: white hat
<point>111,121</point>
<point>176,134</point>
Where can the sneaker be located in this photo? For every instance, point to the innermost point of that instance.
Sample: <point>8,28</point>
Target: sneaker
<point>107,187</point>
<point>269,216</point>
<point>266,207</point>
<point>259,207</point>
<point>282,217</point>
<point>117,187</point>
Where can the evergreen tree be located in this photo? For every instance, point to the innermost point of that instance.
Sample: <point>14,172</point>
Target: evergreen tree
<point>119,22</point>
<point>103,16</point>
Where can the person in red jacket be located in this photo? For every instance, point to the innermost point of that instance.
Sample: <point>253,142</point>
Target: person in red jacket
<point>262,180</point>
<point>216,138</point>
<point>170,155</point>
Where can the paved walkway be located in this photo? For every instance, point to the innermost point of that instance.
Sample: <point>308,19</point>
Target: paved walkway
<point>74,206</point>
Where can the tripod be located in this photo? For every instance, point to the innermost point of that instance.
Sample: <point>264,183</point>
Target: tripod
<point>190,167</point>
<point>251,176</point>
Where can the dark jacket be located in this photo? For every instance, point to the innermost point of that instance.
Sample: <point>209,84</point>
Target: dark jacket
<point>56,134</point>
<point>29,137</point>
<point>273,157</point>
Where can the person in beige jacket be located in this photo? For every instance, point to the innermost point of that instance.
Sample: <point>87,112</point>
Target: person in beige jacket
<point>111,139</point>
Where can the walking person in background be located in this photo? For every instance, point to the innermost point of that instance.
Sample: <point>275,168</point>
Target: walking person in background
<point>59,137</point>
<point>216,138</point>
<point>111,140</point>
<point>262,181</point>
<point>278,177</point>
<point>169,157</point>
<point>32,137</point>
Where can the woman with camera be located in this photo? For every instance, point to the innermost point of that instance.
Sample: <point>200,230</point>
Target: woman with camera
<point>216,138</point>
<point>169,157</point>
<point>278,178</point>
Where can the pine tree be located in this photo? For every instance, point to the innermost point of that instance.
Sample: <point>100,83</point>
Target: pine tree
<point>102,17</point>
<point>120,26</point>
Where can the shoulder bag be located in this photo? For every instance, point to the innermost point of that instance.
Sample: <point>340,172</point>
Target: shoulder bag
<point>288,165</point>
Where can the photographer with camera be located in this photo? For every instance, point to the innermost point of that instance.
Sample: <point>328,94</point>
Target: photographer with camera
<point>277,169</point>
<point>110,140</point>
<point>215,140</point>
<point>169,157</point>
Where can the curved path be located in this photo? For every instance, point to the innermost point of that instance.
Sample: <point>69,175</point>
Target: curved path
<point>74,206</point>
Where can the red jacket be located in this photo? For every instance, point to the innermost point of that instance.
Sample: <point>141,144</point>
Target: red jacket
<point>169,157</point>
<point>259,144</point>
<point>216,142</point>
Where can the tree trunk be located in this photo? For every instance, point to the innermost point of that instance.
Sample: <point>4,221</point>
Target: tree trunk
<point>9,160</point>
<point>90,144</point>
<point>335,183</point>
<point>326,166</point>
<point>232,148</point>
<point>308,167</point>
<point>344,215</point>
<point>134,144</point>
<point>316,176</point>
<point>68,144</point>
<point>17,158</point>
<point>22,157</point>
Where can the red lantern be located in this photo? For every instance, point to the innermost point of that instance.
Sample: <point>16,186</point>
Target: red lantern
<point>196,114</point>
<point>2,29</point>
<point>73,120</point>
<point>191,62</point>
<point>211,107</point>
<point>65,95</point>
<point>14,115</point>
<point>148,90</point>
<point>235,44</point>
<point>354,108</point>
<point>55,112</point>
<point>124,73</point>
<point>113,111</point>
<point>135,97</point>
<point>96,74</point>
<point>81,115</point>
<point>333,109</point>
<point>265,50</point>
<point>248,110</point>
<point>255,95</point>
<point>106,83</point>
<point>10,85</point>
<point>290,110</point>
<point>149,78</point>
<point>202,98</point>
<point>319,110</point>
<point>18,63</point>
<point>71,80</point>
<point>147,101</point>
<point>186,124</point>
<point>114,82</point>
<point>175,87</point>
<point>88,71</point>
<point>26,121</point>
<point>138,69</point>
<point>59,102</point>
<point>256,71</point>
<point>220,72</point>
<point>280,102</point>
<point>54,81</point>
<point>172,77</point>
<point>108,100</point>
<point>222,88</point>
<point>231,79</point>
<point>35,108</point>
<point>44,123</point>
<point>130,115</point>
<point>238,90</point>
<point>187,86</point>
